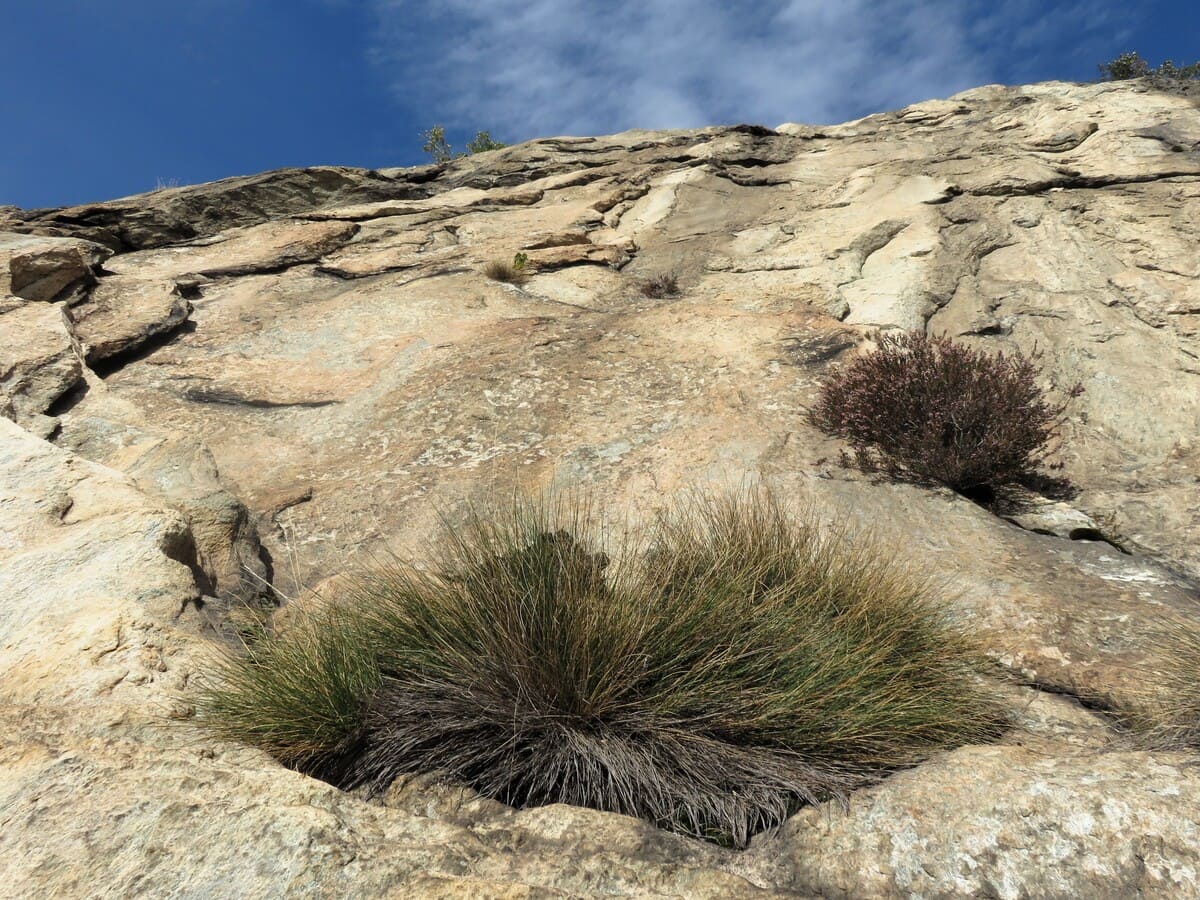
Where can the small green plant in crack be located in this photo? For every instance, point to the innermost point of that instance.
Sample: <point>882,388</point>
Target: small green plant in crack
<point>711,676</point>
<point>440,151</point>
<point>515,272</point>
<point>665,284</point>
<point>931,410</point>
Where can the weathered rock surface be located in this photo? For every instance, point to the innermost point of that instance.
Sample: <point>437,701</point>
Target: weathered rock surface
<point>315,356</point>
<point>39,362</point>
<point>122,314</point>
<point>178,469</point>
<point>1107,826</point>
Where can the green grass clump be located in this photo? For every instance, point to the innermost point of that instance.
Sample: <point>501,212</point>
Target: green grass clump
<point>711,677</point>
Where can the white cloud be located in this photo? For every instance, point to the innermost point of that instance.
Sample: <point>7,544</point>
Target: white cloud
<point>536,67</point>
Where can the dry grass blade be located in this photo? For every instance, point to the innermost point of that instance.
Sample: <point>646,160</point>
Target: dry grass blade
<point>1168,713</point>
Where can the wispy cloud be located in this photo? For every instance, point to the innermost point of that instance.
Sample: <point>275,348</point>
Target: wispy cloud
<point>537,67</point>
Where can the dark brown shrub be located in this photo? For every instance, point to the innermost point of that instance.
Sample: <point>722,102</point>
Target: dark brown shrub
<point>928,409</point>
<point>664,285</point>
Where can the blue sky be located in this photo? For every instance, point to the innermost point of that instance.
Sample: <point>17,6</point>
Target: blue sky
<point>103,98</point>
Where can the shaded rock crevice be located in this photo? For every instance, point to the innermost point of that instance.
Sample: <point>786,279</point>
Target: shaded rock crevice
<point>229,397</point>
<point>1081,182</point>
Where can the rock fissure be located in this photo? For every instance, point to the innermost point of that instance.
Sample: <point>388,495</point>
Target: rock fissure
<point>230,397</point>
<point>110,357</point>
<point>1080,182</point>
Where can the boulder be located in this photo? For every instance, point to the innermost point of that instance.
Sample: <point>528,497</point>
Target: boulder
<point>46,268</point>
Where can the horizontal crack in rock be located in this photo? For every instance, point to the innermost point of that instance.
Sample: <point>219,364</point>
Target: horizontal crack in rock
<point>227,397</point>
<point>1080,182</point>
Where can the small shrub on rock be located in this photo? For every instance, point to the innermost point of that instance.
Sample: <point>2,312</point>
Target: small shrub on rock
<point>515,272</point>
<point>932,410</point>
<point>482,143</point>
<point>1124,67</point>
<point>659,286</point>
<point>440,151</point>
<point>741,666</point>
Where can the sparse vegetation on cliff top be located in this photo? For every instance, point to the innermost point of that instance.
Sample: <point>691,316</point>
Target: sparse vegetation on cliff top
<point>1131,65</point>
<point>440,150</point>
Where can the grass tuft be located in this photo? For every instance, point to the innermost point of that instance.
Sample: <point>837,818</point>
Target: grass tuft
<point>515,272</point>
<point>710,678</point>
<point>1168,717</point>
<point>659,286</point>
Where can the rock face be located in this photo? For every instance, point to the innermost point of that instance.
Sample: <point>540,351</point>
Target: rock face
<point>256,381</point>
